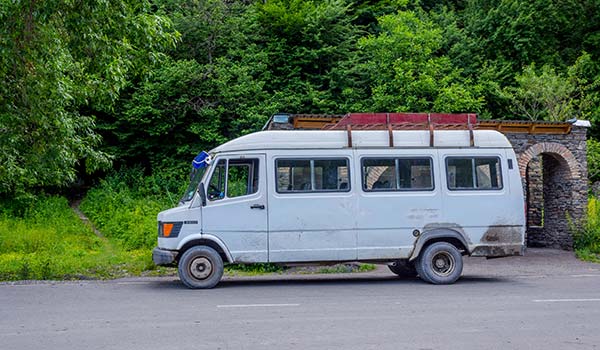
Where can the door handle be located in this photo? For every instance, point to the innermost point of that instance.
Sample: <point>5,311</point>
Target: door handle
<point>257,206</point>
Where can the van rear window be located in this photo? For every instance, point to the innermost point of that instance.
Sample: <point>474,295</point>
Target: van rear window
<point>474,173</point>
<point>312,175</point>
<point>397,174</point>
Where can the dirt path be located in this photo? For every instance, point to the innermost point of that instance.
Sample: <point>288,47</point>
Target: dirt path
<point>75,206</point>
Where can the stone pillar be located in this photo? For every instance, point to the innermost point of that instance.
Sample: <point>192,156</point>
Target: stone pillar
<point>535,193</point>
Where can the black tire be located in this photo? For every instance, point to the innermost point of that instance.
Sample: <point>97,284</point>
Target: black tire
<point>403,268</point>
<point>200,267</point>
<point>440,263</point>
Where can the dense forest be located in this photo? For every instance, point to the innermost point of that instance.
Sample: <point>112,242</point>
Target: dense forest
<point>98,85</point>
<point>124,93</point>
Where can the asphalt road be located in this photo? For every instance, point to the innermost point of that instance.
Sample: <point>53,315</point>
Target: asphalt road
<point>546,300</point>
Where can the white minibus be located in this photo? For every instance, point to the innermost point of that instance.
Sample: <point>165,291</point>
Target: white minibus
<point>401,198</point>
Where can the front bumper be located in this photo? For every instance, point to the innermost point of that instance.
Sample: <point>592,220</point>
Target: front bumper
<point>163,257</point>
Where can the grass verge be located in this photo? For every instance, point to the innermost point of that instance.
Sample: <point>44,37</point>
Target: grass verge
<point>49,241</point>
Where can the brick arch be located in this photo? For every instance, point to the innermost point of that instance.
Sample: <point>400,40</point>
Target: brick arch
<point>553,148</point>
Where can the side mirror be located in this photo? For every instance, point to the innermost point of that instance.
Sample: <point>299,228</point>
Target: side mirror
<point>202,192</point>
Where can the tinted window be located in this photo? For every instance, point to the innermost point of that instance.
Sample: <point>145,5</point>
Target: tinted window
<point>307,175</point>
<point>397,174</point>
<point>475,173</point>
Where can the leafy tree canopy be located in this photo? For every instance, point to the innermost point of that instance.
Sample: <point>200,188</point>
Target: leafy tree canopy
<point>58,60</point>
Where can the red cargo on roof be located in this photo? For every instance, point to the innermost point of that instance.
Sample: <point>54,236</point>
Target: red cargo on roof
<point>396,118</point>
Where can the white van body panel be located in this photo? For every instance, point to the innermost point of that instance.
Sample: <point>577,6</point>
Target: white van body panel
<point>357,224</point>
<point>311,226</point>
<point>386,220</point>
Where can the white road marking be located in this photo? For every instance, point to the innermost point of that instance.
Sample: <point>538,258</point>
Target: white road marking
<point>563,300</point>
<point>587,275</point>
<point>256,305</point>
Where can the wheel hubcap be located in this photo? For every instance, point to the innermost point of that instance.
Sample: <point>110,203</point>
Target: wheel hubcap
<point>201,268</point>
<point>443,263</point>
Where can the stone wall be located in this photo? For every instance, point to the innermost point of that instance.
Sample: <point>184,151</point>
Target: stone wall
<point>557,164</point>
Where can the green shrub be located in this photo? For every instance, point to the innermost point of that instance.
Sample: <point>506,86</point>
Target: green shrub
<point>587,237</point>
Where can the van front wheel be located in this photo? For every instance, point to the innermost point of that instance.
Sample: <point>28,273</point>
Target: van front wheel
<point>440,263</point>
<point>200,267</point>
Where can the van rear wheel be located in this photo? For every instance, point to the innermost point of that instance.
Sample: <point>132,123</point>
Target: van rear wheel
<point>440,263</point>
<point>200,267</point>
<point>403,268</point>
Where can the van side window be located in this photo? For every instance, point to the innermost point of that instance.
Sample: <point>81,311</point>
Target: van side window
<point>312,175</point>
<point>474,173</point>
<point>216,185</point>
<point>331,174</point>
<point>241,176</point>
<point>397,174</point>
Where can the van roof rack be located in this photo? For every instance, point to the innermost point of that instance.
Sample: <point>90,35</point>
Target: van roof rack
<point>406,121</point>
<point>410,121</point>
<point>377,121</point>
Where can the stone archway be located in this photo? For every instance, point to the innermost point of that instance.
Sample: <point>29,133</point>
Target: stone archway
<point>560,152</point>
<point>550,173</point>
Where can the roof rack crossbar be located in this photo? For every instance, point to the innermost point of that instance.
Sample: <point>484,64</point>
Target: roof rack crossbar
<point>430,125</point>
<point>390,130</point>
<point>349,130</point>
<point>471,136</point>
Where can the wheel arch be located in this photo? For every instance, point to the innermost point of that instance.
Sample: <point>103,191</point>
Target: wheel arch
<point>448,235</point>
<point>209,241</point>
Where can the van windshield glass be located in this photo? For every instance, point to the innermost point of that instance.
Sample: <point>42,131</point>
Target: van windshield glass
<point>195,178</point>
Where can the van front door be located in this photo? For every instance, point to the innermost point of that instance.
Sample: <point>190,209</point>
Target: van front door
<point>236,206</point>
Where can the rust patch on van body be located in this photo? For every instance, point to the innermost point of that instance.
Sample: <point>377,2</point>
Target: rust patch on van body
<point>499,241</point>
<point>498,251</point>
<point>502,235</point>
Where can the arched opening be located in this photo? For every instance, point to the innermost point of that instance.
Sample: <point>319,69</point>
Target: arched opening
<point>549,171</point>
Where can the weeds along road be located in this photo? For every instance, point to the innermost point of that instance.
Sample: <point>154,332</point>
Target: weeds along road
<point>546,300</point>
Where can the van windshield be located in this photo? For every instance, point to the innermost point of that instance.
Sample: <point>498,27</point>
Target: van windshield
<point>195,178</point>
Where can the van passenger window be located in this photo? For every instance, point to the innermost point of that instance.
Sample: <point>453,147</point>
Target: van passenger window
<point>397,174</point>
<point>474,173</point>
<point>379,174</point>
<point>331,175</point>
<point>312,175</point>
<point>293,175</point>
<point>241,175</point>
<point>415,174</point>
